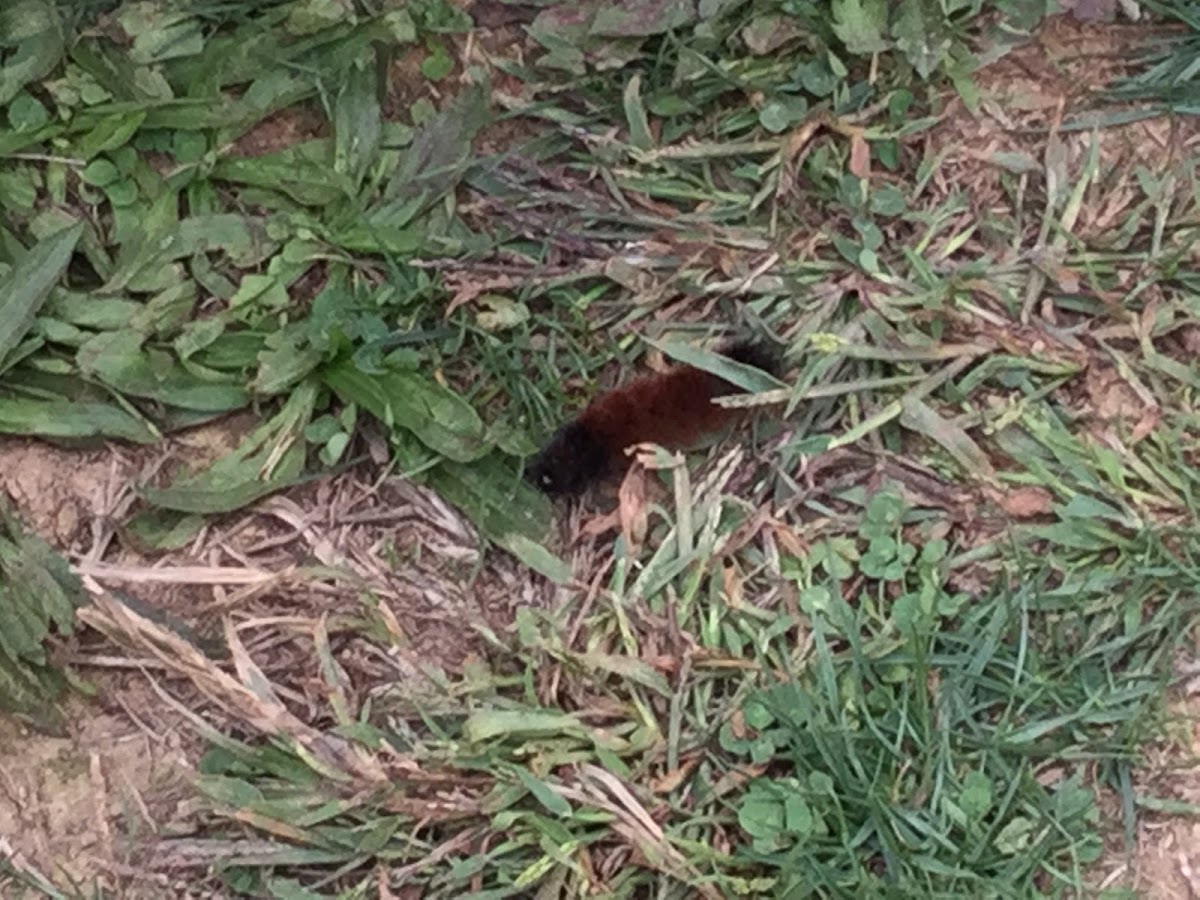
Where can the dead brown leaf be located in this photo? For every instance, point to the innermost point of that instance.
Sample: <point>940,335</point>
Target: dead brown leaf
<point>662,662</point>
<point>860,157</point>
<point>737,725</point>
<point>800,138</point>
<point>669,781</point>
<point>1113,400</point>
<point>791,542</point>
<point>732,583</point>
<point>1146,424</point>
<point>1024,502</point>
<point>466,289</point>
<point>631,508</point>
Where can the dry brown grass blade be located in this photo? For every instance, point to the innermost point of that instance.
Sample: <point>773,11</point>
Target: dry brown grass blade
<point>102,572</point>
<point>289,512</point>
<point>603,790</point>
<point>464,839</point>
<point>258,709</point>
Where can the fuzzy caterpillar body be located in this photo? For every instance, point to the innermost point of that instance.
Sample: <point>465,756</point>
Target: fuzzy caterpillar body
<point>673,409</point>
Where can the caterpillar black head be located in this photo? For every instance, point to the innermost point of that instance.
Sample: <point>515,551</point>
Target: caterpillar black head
<point>571,460</point>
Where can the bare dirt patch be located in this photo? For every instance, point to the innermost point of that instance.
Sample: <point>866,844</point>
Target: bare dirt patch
<point>1165,861</point>
<point>57,491</point>
<point>1028,95</point>
<point>83,806</point>
<point>287,127</point>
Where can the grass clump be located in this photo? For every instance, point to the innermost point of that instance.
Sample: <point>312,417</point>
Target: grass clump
<point>884,732</point>
<point>38,596</point>
<point>910,645</point>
